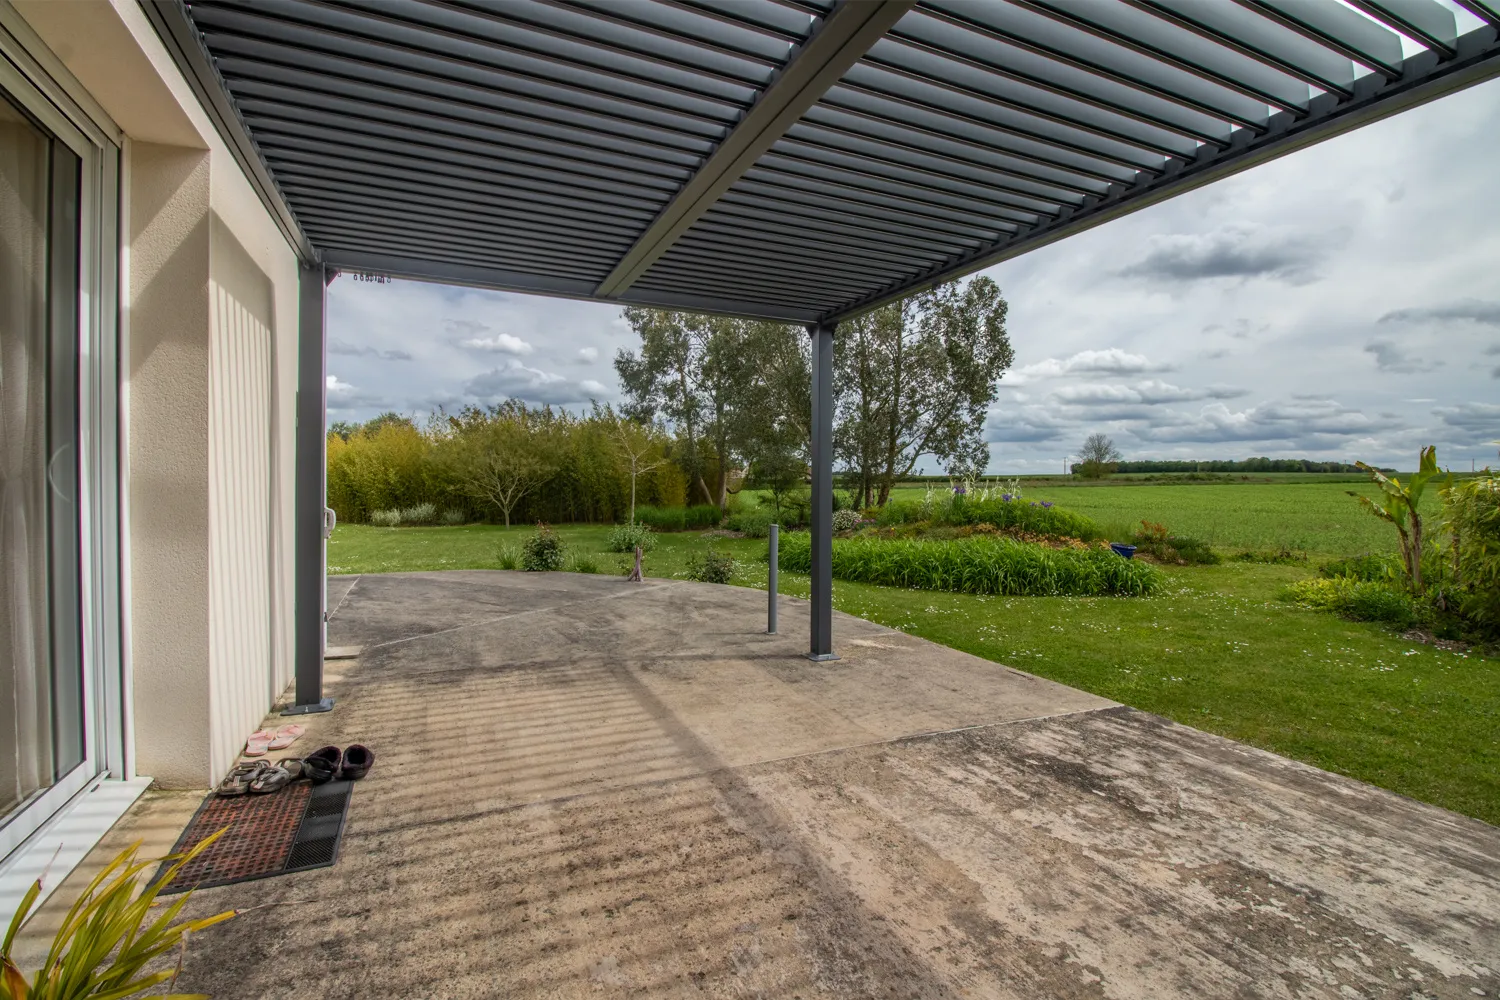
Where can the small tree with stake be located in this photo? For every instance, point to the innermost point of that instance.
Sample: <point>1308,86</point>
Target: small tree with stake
<point>1098,457</point>
<point>1400,504</point>
<point>636,444</point>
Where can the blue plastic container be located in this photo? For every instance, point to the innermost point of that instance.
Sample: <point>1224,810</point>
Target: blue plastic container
<point>1121,549</point>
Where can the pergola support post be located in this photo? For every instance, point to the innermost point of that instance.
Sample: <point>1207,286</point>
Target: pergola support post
<point>822,491</point>
<point>310,587</point>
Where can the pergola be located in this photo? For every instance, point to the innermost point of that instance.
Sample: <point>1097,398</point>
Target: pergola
<point>796,160</point>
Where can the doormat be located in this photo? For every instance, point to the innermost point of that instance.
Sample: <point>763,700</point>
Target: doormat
<point>297,828</point>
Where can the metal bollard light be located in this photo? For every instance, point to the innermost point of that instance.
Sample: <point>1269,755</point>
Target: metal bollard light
<point>771,584</point>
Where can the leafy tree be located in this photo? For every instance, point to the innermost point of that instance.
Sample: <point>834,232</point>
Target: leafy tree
<point>918,378</point>
<point>1098,457</point>
<point>729,387</point>
<point>500,456</point>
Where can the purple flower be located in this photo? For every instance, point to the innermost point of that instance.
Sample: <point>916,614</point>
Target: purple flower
<point>1005,497</point>
<point>1047,504</point>
<point>1033,503</point>
<point>959,490</point>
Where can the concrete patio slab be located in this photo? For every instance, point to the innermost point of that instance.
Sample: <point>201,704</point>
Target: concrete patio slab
<point>586,787</point>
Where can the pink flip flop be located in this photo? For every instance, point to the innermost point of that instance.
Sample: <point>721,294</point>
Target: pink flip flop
<point>258,743</point>
<point>286,736</point>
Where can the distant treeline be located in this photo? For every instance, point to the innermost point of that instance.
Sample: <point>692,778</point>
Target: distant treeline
<point>1229,465</point>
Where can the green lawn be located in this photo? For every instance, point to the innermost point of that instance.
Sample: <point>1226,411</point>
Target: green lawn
<point>1215,650</point>
<point>1316,517</point>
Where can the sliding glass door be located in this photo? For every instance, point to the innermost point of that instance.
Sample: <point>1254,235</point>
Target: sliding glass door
<point>44,726</point>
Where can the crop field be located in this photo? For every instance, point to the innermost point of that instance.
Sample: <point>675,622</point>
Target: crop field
<point>1318,518</point>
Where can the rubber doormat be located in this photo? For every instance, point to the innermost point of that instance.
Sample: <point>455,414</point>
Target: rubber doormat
<point>297,828</point>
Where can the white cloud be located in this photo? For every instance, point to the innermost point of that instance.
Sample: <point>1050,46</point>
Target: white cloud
<point>1151,392</point>
<point>1111,361</point>
<point>500,343</point>
<point>518,381</point>
<point>588,355</point>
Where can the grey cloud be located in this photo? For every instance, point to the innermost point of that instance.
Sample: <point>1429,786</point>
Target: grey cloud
<point>1392,357</point>
<point>517,381</point>
<point>1242,252</point>
<point>587,355</point>
<point>1465,310</point>
<point>1314,423</point>
<point>1026,424</point>
<point>1480,418</point>
<point>365,351</point>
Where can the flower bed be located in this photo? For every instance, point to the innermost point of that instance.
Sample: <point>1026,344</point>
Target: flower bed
<point>977,565</point>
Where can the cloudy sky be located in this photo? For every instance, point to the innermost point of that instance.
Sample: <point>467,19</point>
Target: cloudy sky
<point>1339,303</point>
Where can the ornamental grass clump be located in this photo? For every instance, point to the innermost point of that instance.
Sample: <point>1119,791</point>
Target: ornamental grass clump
<point>977,565</point>
<point>1355,599</point>
<point>110,937</point>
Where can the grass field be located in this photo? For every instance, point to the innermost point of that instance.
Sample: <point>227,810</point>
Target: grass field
<point>1215,650</point>
<point>1316,517</point>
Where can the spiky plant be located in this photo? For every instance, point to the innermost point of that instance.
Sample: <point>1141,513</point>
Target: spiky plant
<point>110,937</point>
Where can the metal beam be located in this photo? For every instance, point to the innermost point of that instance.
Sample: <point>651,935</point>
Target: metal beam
<point>309,580</point>
<point>821,647</point>
<point>451,272</point>
<point>844,36</point>
<point>1423,79</point>
<point>185,45</point>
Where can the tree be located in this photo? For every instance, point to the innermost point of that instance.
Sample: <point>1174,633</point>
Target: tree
<point>501,458</point>
<point>917,378</point>
<point>1098,457</point>
<point>728,387</point>
<point>636,443</point>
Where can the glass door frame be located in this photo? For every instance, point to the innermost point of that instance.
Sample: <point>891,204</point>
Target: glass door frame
<point>29,76</point>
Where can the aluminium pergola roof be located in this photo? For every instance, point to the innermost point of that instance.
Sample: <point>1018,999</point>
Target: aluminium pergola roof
<point>792,159</point>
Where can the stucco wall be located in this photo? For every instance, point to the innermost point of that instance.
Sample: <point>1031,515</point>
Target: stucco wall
<point>167,366</point>
<point>209,303</point>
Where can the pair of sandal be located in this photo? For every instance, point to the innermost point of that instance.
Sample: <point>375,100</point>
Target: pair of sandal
<point>256,777</point>
<point>265,739</point>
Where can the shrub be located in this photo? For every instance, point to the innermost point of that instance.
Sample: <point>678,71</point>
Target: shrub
<point>704,515</point>
<point>583,562</point>
<point>454,517</point>
<point>1368,567</point>
<point>845,520</point>
<point>1039,517</point>
<point>711,567</point>
<point>542,551</point>
<point>385,518</point>
<point>754,522</point>
<point>1358,600</point>
<point>626,537</point>
<point>508,556</point>
<point>1472,508</point>
<point>1152,539</point>
<point>422,513</point>
<point>977,565</point>
<point>662,518</point>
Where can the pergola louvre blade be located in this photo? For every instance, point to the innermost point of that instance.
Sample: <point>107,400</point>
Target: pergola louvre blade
<point>845,35</point>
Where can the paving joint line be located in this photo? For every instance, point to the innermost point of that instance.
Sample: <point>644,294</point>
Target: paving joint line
<point>519,614</point>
